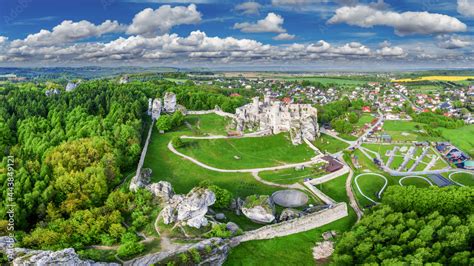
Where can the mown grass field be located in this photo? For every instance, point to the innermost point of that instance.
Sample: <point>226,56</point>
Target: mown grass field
<point>258,152</point>
<point>208,124</point>
<point>461,137</point>
<point>464,179</point>
<point>328,80</point>
<point>326,143</point>
<point>439,78</point>
<point>291,176</point>
<point>184,175</point>
<point>414,181</point>
<point>294,249</point>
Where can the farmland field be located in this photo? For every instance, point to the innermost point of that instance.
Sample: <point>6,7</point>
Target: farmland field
<point>440,78</point>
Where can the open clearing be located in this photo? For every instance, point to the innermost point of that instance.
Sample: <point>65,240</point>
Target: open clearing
<point>440,78</point>
<point>328,80</point>
<point>326,143</point>
<point>462,178</point>
<point>291,175</point>
<point>369,186</point>
<point>184,175</point>
<point>208,124</point>
<point>417,181</point>
<point>247,153</point>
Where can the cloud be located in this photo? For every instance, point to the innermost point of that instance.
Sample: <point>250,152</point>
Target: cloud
<point>453,42</point>
<point>69,31</point>
<point>391,51</point>
<point>405,23</point>
<point>284,37</point>
<point>466,8</point>
<point>249,8</point>
<point>3,39</point>
<point>151,22</point>
<point>271,23</point>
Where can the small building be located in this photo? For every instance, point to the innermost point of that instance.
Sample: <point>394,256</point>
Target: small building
<point>469,165</point>
<point>385,138</point>
<point>366,109</point>
<point>332,165</point>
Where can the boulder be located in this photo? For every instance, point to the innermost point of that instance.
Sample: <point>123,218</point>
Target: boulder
<point>233,227</point>
<point>289,214</point>
<point>189,209</point>
<point>323,250</point>
<point>162,189</point>
<point>220,216</point>
<point>259,209</point>
<point>61,257</point>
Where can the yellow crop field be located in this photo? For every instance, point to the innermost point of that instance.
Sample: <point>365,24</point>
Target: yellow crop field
<point>439,78</point>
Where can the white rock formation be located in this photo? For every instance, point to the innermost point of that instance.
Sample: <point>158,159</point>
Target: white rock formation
<point>323,250</point>
<point>162,189</point>
<point>298,119</point>
<point>169,102</point>
<point>189,209</point>
<point>156,109</point>
<point>71,86</point>
<point>259,210</point>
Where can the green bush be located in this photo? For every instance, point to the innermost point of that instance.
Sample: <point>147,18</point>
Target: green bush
<point>130,249</point>
<point>195,255</point>
<point>223,196</point>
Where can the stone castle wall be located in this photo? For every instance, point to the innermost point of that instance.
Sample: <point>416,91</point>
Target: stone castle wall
<point>298,225</point>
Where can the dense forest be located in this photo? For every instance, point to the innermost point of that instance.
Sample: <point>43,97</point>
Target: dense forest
<point>413,226</point>
<point>72,151</point>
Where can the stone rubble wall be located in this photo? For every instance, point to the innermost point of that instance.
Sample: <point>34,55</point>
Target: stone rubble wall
<point>136,180</point>
<point>320,194</point>
<point>298,225</point>
<point>330,176</point>
<point>214,111</point>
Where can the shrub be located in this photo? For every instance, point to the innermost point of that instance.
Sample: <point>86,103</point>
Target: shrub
<point>130,249</point>
<point>195,255</point>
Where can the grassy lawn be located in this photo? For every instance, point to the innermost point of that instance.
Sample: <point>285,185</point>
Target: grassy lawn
<point>328,80</point>
<point>364,119</point>
<point>414,181</point>
<point>370,186</point>
<point>348,137</point>
<point>461,138</point>
<point>252,152</point>
<point>294,249</point>
<point>326,143</point>
<point>291,175</point>
<point>464,178</point>
<point>184,175</point>
<point>208,124</point>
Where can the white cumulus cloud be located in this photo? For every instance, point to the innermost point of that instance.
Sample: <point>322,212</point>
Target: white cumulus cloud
<point>284,37</point>
<point>466,7</point>
<point>405,23</point>
<point>69,31</point>
<point>453,42</point>
<point>271,23</point>
<point>249,8</point>
<point>151,22</point>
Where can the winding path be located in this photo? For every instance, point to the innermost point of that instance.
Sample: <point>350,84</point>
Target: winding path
<point>203,165</point>
<point>379,193</point>
<point>458,172</point>
<point>414,176</point>
<point>350,194</point>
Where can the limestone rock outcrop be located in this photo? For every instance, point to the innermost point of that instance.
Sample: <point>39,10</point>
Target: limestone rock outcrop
<point>259,209</point>
<point>298,119</point>
<point>169,102</point>
<point>289,214</point>
<point>190,209</point>
<point>162,189</point>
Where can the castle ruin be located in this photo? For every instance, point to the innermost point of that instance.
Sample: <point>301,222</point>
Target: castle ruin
<point>301,120</point>
<point>156,106</point>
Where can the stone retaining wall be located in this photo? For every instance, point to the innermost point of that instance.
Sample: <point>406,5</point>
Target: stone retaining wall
<point>136,181</point>
<point>298,225</point>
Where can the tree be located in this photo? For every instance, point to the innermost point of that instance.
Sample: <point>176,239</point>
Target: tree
<point>130,249</point>
<point>164,123</point>
<point>353,117</point>
<point>223,196</point>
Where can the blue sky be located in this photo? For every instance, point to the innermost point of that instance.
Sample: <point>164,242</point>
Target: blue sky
<point>322,33</point>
